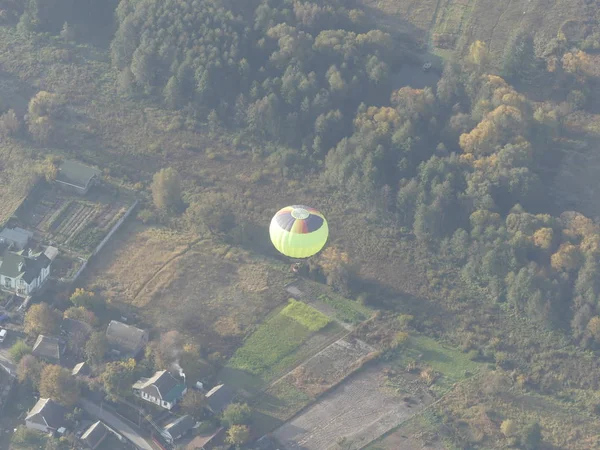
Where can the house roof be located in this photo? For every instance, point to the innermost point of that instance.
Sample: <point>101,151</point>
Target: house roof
<point>126,338</point>
<point>200,441</point>
<point>73,326</point>
<point>94,434</point>
<point>180,426</point>
<point>18,235</point>
<point>47,413</point>
<point>46,347</point>
<point>162,385</point>
<point>19,265</point>
<point>51,252</point>
<point>219,397</point>
<point>82,368</point>
<point>76,174</point>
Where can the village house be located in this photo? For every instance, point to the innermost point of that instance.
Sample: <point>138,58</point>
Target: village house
<point>219,398</point>
<point>207,442</point>
<point>46,416</point>
<point>24,272</point>
<point>94,435</point>
<point>76,177</point>
<point>163,389</point>
<point>47,348</point>
<point>126,340</point>
<point>178,428</point>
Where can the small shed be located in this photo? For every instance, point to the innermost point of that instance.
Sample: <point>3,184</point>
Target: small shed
<point>47,348</point>
<point>76,177</point>
<point>94,435</point>
<point>178,428</point>
<point>17,237</point>
<point>219,398</point>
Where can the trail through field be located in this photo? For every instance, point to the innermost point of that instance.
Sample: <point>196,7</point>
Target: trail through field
<point>498,21</point>
<point>163,266</point>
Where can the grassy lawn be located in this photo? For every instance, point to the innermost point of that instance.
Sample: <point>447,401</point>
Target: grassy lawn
<point>450,364</point>
<point>346,310</point>
<point>277,338</point>
<point>305,315</point>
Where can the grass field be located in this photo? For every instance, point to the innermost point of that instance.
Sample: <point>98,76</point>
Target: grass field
<point>277,338</point>
<point>334,305</point>
<point>450,365</point>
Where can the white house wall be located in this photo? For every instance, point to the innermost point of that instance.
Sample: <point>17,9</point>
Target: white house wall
<point>18,283</point>
<point>36,426</point>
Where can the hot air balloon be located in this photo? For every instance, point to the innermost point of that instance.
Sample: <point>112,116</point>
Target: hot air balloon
<point>298,231</point>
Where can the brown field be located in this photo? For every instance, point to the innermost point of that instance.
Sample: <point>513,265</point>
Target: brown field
<point>337,414</point>
<point>329,366</point>
<point>179,282</point>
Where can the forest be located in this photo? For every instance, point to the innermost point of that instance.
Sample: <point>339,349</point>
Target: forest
<point>463,175</point>
<point>464,169</point>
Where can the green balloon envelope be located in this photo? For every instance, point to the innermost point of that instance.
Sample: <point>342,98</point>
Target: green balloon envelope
<point>298,231</point>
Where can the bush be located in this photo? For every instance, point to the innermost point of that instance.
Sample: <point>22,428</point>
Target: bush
<point>531,436</point>
<point>508,428</point>
<point>236,414</point>
<point>474,355</point>
<point>146,216</point>
<point>577,100</point>
<point>19,350</point>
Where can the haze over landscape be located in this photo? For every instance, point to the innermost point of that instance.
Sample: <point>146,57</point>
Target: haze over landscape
<point>299,224</point>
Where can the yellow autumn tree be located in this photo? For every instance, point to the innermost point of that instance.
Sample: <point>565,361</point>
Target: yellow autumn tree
<point>568,258</point>
<point>544,238</point>
<point>479,54</point>
<point>578,63</point>
<point>593,327</point>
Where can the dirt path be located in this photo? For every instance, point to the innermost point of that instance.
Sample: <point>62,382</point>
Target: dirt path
<point>163,266</point>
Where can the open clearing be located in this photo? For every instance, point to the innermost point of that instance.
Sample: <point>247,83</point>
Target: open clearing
<point>457,23</point>
<point>176,281</point>
<point>361,409</point>
<point>370,402</point>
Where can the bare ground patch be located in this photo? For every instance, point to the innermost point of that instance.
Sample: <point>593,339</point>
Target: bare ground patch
<point>360,410</point>
<point>329,366</point>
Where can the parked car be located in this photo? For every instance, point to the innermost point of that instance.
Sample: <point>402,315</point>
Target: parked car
<point>4,318</point>
<point>3,333</point>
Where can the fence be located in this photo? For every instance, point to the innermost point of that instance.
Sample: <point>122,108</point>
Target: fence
<point>105,240</point>
<point>115,228</point>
